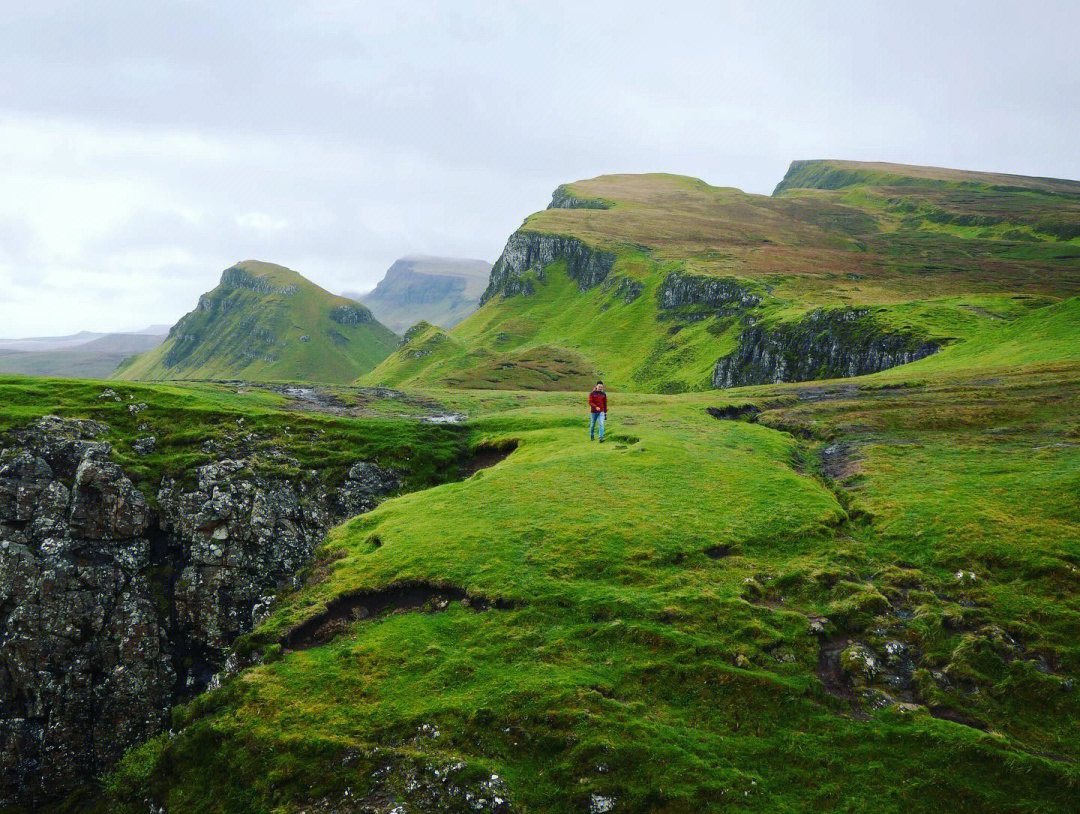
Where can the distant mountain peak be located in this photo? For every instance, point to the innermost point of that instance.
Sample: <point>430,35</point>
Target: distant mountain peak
<point>267,322</point>
<point>439,290</point>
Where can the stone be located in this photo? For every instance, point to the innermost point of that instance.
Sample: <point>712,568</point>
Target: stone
<point>527,254</point>
<point>104,503</point>
<point>144,445</point>
<point>112,612</point>
<point>823,344</point>
<point>858,663</point>
<point>365,485</point>
<point>726,295</point>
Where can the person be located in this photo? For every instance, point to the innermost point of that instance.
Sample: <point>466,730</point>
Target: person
<point>597,410</point>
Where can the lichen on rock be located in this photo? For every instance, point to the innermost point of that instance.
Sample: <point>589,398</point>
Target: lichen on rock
<point>112,611</point>
<point>527,254</point>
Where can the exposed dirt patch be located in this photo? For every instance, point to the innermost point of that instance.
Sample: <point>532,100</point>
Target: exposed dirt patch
<point>742,412</point>
<point>420,597</point>
<point>838,461</point>
<point>828,668</point>
<point>487,455</point>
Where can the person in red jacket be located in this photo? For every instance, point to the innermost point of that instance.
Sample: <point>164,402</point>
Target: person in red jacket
<point>597,411</point>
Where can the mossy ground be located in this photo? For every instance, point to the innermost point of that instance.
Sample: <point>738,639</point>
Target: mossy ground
<point>195,424</point>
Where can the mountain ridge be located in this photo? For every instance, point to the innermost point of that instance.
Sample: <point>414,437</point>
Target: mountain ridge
<point>665,283</point>
<point>439,290</point>
<point>267,322</point>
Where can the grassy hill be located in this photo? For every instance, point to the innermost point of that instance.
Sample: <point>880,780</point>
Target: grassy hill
<point>266,322</point>
<point>863,598</point>
<point>651,280</point>
<point>439,290</point>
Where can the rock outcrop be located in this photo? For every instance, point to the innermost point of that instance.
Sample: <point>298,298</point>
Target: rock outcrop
<point>717,294</point>
<point>527,254</point>
<point>351,315</point>
<point>563,198</point>
<point>112,611</point>
<point>823,345</point>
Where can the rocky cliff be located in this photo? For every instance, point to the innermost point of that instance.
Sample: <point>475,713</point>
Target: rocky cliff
<point>565,198</point>
<point>824,344</point>
<point>713,294</point>
<point>527,253</point>
<point>114,607</point>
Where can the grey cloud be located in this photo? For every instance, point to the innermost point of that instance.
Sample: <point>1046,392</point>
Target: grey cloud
<point>375,130</point>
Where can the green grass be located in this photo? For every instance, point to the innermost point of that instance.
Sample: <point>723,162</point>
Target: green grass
<point>631,664</point>
<point>280,327</point>
<point>191,422</point>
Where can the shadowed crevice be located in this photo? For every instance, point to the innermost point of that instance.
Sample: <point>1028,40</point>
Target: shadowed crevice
<point>742,412</point>
<point>418,597</point>
<point>487,455</point>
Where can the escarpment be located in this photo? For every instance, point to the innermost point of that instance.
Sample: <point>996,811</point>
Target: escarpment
<point>564,198</point>
<point>528,253</point>
<point>715,294</point>
<point>822,345</point>
<point>112,609</point>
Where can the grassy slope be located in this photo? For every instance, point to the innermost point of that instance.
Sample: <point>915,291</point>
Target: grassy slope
<point>637,667</point>
<point>257,335</point>
<point>939,251</point>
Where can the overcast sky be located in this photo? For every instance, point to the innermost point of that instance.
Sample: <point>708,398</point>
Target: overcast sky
<point>146,146</point>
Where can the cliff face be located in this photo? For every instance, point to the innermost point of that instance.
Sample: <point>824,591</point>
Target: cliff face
<point>527,253</point>
<point>823,345</point>
<point>714,293</point>
<point>112,611</point>
<point>564,198</point>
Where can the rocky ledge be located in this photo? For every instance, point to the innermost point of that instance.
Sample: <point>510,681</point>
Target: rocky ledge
<point>716,294</point>
<point>113,610</point>
<point>563,198</point>
<point>527,254</point>
<point>823,345</point>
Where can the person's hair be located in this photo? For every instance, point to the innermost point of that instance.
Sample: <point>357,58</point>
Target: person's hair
<point>599,382</point>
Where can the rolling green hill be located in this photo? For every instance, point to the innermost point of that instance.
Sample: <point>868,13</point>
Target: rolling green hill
<point>861,596</point>
<point>664,283</point>
<point>439,290</point>
<point>267,323</point>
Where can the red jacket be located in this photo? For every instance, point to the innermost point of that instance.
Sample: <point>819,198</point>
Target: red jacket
<point>597,402</point>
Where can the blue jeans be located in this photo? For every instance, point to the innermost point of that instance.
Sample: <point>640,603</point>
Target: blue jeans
<point>596,420</point>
